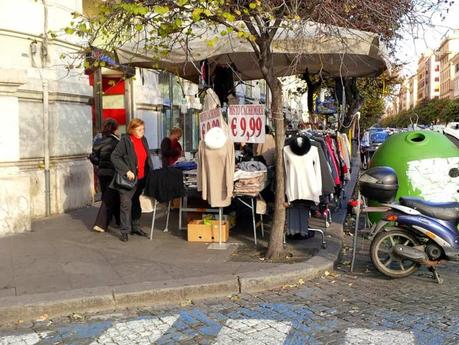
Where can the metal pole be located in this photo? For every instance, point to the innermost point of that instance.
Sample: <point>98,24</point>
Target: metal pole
<point>167,217</point>
<point>153,220</point>
<point>45,86</point>
<point>98,105</point>
<point>356,232</point>
<point>253,221</point>
<point>46,147</point>
<point>220,211</point>
<point>180,214</point>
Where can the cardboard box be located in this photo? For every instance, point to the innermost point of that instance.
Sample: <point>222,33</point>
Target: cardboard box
<point>230,218</point>
<point>200,232</point>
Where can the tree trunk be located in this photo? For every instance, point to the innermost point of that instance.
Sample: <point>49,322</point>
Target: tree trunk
<point>276,240</point>
<point>312,87</point>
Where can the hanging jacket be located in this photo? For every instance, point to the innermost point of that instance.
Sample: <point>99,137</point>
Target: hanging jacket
<point>334,159</point>
<point>328,183</point>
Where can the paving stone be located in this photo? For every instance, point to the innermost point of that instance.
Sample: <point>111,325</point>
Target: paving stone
<point>343,308</point>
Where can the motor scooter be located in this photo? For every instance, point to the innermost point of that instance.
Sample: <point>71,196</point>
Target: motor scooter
<point>412,232</point>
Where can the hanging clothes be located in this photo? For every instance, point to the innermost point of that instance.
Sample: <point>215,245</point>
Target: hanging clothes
<point>320,139</point>
<point>164,184</point>
<point>328,184</point>
<point>223,82</point>
<point>302,175</point>
<point>344,153</point>
<point>267,149</point>
<point>216,163</point>
<point>297,220</point>
<point>298,214</point>
<point>342,165</point>
<point>334,159</point>
<point>211,100</point>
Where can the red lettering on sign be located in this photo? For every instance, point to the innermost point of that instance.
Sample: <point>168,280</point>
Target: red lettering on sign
<point>234,126</point>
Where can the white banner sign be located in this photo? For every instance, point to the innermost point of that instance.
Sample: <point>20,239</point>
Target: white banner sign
<point>247,123</point>
<point>209,119</point>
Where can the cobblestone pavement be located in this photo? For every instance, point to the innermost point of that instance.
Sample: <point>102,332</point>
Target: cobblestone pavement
<point>339,308</point>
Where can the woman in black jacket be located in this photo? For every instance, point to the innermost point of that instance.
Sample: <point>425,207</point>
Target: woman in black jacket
<point>101,157</point>
<point>132,160</point>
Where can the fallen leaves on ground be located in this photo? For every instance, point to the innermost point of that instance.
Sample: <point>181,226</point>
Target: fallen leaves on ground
<point>76,317</point>
<point>234,297</point>
<point>294,285</point>
<point>42,318</point>
<point>186,302</point>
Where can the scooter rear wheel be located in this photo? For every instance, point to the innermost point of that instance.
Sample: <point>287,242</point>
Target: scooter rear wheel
<point>383,258</point>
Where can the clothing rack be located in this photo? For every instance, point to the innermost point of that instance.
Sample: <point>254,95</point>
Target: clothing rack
<point>251,206</point>
<point>321,232</point>
<point>166,229</point>
<point>184,208</point>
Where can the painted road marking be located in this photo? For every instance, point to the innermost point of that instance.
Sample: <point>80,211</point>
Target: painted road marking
<point>249,331</point>
<point>23,339</point>
<point>137,331</point>
<point>363,336</point>
<point>168,329</point>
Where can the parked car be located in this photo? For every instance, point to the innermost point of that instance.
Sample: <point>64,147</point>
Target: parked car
<point>452,132</point>
<point>371,140</point>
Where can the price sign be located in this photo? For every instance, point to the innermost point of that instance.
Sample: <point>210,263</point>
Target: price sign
<point>209,119</point>
<point>247,123</point>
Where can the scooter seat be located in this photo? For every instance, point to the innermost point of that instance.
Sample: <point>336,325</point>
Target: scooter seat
<point>442,210</point>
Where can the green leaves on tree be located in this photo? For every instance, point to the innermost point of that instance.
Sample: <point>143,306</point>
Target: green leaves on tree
<point>161,10</point>
<point>69,31</point>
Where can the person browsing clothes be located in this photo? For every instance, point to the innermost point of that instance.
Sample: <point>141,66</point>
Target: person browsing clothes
<point>101,158</point>
<point>131,158</point>
<point>171,149</point>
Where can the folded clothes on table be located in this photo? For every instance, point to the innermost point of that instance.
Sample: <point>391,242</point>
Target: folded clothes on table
<point>251,186</point>
<point>252,166</point>
<point>242,174</point>
<point>186,165</point>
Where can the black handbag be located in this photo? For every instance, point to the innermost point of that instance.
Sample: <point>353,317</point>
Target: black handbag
<point>93,158</point>
<point>121,181</point>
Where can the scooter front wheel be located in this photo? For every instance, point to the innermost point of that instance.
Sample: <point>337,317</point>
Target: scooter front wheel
<point>383,257</point>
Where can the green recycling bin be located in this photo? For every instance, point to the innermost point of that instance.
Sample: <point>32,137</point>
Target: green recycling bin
<point>426,163</point>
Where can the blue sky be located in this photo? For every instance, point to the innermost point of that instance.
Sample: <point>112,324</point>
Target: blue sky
<point>410,48</point>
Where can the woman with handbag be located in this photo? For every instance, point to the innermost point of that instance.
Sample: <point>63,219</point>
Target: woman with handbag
<point>132,162</point>
<point>101,158</point>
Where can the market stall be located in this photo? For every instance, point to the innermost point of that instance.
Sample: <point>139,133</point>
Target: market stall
<point>317,165</point>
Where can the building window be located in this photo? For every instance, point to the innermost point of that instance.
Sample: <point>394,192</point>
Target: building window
<point>457,67</point>
<point>437,79</point>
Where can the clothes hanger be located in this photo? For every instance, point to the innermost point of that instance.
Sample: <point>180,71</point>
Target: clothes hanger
<point>203,89</point>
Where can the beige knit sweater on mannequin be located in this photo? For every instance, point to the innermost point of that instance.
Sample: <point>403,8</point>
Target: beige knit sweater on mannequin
<point>215,173</point>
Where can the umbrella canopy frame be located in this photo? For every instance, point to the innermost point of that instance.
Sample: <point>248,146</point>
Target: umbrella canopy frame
<point>327,50</point>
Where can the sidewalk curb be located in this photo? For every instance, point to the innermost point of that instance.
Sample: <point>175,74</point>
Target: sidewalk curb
<point>31,307</point>
<point>174,292</point>
<point>281,276</point>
